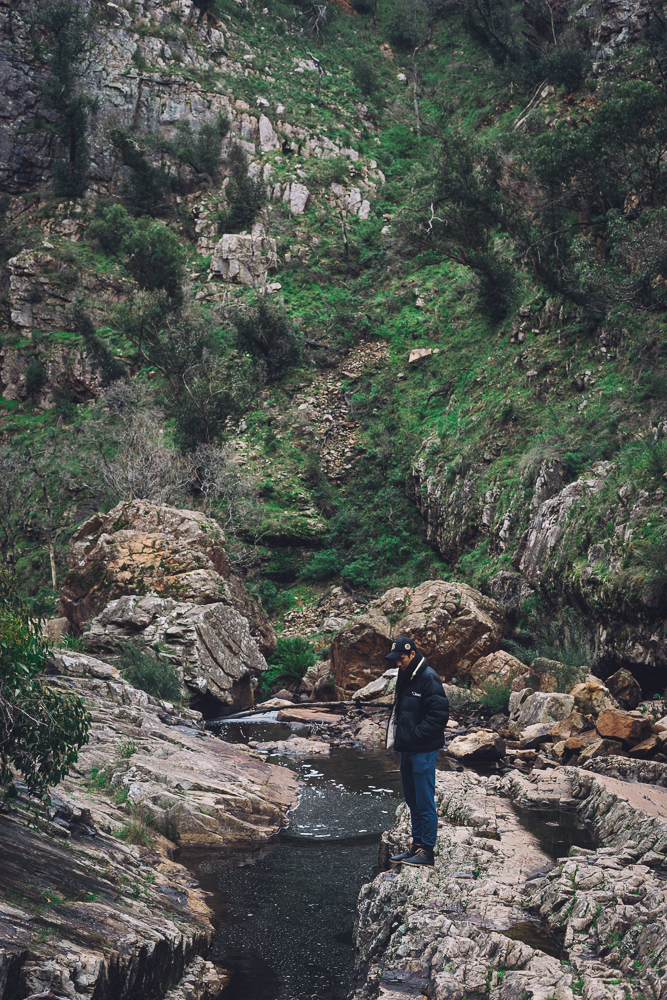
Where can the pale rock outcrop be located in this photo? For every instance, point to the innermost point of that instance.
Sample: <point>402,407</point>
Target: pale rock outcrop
<point>210,646</point>
<point>528,707</point>
<point>268,139</point>
<point>298,197</point>
<point>244,259</point>
<point>383,687</point>
<point>141,547</point>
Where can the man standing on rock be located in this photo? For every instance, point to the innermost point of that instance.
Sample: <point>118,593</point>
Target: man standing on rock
<point>417,730</point>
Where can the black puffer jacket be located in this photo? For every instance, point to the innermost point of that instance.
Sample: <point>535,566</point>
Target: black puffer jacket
<point>421,709</point>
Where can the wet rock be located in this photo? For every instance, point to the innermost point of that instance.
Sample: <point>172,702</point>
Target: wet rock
<point>244,259</point>
<point>383,687</point>
<point>628,727</point>
<point>591,698</point>
<point>499,668</point>
<point>528,707</point>
<point>370,732</point>
<point>297,746</point>
<point>572,725</point>
<point>141,547</point>
<point>211,646</point>
<point>201,980</point>
<point>624,688</point>
<point>482,745</point>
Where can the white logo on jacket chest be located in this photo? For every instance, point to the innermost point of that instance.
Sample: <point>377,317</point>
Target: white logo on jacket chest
<point>417,694</point>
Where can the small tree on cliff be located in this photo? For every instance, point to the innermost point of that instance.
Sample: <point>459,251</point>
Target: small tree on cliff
<point>42,729</point>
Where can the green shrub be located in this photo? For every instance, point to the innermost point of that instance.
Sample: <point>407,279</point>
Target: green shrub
<point>135,830</point>
<point>42,729</point>
<point>323,565</point>
<point>402,32</point>
<point>151,672</point>
<point>148,250</point>
<point>365,77</point>
<point>566,641</point>
<point>245,195</point>
<point>125,749</point>
<point>289,662</point>
<point>267,334</point>
<point>273,599</point>
<point>496,697</point>
<point>35,377</point>
<point>201,150</point>
<point>360,573</point>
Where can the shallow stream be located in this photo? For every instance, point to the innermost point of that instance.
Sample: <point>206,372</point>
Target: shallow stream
<point>285,909</point>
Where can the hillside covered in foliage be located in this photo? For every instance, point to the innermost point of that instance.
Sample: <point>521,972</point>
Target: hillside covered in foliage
<point>380,285</point>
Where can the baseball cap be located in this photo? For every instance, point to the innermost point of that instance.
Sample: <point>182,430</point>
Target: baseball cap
<point>400,646</point>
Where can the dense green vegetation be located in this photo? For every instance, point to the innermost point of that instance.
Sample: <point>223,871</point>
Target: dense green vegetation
<point>520,231</point>
<point>42,729</point>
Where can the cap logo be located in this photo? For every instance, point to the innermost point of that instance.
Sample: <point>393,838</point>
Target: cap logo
<point>393,646</point>
<point>408,646</point>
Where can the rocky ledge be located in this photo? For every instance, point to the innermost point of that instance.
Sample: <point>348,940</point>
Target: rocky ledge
<point>498,918</point>
<point>90,904</point>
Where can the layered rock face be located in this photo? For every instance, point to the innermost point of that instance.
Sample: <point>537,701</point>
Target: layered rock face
<point>451,623</point>
<point>84,912</point>
<point>462,930</point>
<point>541,533</point>
<point>211,646</point>
<point>196,789</point>
<point>141,547</point>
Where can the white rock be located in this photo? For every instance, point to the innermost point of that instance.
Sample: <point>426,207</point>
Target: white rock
<point>402,78</point>
<point>267,137</point>
<point>244,259</point>
<point>262,102</point>
<point>298,198</point>
<point>280,110</point>
<point>364,209</point>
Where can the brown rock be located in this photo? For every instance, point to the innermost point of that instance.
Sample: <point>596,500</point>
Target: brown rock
<point>451,623</point>
<point>142,547</point>
<point>572,726</point>
<point>499,668</point>
<point>592,698</point>
<point>578,743</point>
<point>551,675</point>
<point>646,748</point>
<point>625,689</point>
<point>358,651</point>
<point>55,628</point>
<point>308,715</point>
<point>600,748</point>
<point>629,727</point>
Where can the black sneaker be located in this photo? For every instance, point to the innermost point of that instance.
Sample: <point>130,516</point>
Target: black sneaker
<point>422,858</point>
<point>406,854</point>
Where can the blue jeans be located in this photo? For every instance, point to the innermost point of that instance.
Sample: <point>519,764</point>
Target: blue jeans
<point>418,780</point>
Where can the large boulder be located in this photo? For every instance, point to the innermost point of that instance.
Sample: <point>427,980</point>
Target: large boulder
<point>453,624</point>
<point>628,727</point>
<point>141,547</point>
<point>625,689</point>
<point>482,745</point>
<point>496,668</point>
<point>358,651</point>
<point>383,687</point>
<point>211,647</point>
<point>529,707</point>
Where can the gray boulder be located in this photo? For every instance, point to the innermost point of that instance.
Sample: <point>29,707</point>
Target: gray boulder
<point>528,707</point>
<point>210,646</point>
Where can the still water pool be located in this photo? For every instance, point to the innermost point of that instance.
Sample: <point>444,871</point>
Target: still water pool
<point>285,910</point>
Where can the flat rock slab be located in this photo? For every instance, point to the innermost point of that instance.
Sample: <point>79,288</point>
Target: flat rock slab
<point>309,715</point>
<point>295,746</point>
